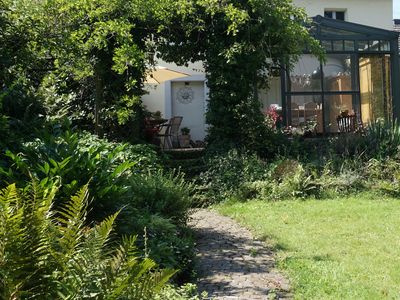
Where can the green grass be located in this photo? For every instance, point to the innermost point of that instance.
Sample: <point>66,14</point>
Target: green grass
<point>347,248</point>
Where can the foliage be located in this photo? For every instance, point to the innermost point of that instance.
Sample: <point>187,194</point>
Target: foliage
<point>99,59</point>
<point>227,172</point>
<point>168,244</point>
<point>51,253</point>
<point>20,74</point>
<point>165,194</point>
<point>187,291</point>
<point>120,176</point>
<point>160,203</point>
<point>241,44</point>
<point>84,60</point>
<point>272,117</point>
<point>382,138</point>
<point>245,177</point>
<point>77,159</point>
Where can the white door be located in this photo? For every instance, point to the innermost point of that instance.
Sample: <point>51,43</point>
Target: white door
<point>188,101</point>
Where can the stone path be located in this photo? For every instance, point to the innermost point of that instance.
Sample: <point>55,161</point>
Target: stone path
<point>231,264</point>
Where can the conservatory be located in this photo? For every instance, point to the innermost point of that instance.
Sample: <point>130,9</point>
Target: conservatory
<point>359,78</point>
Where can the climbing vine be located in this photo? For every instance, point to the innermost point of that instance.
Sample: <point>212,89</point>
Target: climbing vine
<point>242,43</point>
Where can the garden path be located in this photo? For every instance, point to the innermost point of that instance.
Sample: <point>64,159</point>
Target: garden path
<point>231,264</point>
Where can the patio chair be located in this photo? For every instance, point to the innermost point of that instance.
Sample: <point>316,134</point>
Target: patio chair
<point>170,132</point>
<point>295,111</point>
<point>347,123</point>
<point>310,111</point>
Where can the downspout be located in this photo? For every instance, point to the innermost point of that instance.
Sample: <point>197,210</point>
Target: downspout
<point>395,70</point>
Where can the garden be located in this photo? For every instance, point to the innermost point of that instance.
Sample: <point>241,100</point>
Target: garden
<point>330,214</point>
<point>90,210</point>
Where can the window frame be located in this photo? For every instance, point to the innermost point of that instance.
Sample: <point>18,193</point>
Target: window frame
<point>334,13</point>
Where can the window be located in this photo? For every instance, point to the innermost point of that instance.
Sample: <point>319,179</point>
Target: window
<point>335,14</point>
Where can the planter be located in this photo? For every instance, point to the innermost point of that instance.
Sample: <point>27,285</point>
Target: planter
<point>184,141</point>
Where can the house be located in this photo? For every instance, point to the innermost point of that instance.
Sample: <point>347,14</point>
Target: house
<point>358,77</point>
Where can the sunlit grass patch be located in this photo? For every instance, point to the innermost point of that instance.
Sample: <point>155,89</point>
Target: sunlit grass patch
<point>346,248</point>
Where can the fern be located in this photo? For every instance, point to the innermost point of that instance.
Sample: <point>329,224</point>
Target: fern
<point>48,254</point>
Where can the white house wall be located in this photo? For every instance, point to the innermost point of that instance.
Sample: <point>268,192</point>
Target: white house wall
<point>376,13</point>
<point>272,95</point>
<point>158,96</point>
<point>191,108</point>
<point>154,100</point>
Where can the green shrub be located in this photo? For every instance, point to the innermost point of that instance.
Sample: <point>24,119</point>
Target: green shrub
<point>346,181</point>
<point>344,164</point>
<point>22,107</point>
<point>227,172</point>
<point>382,138</point>
<point>52,254</point>
<point>160,202</point>
<point>384,169</point>
<point>168,195</point>
<point>120,176</point>
<point>298,184</point>
<point>383,175</point>
<point>80,158</point>
<point>169,245</point>
<point>290,178</point>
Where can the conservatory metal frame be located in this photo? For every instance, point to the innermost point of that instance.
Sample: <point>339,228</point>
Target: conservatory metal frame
<point>336,36</point>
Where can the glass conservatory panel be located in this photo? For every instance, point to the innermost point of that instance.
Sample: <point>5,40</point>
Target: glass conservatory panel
<point>336,105</point>
<point>349,46</point>
<point>306,110</point>
<point>338,45</point>
<point>271,96</point>
<point>363,46</point>
<point>385,46</point>
<point>374,45</point>
<point>338,72</point>
<point>305,76</point>
<point>325,30</point>
<point>327,45</point>
<point>375,87</point>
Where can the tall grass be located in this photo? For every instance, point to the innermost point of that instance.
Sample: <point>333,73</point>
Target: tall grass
<point>382,138</point>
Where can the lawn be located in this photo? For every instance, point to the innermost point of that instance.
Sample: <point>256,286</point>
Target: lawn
<point>345,248</point>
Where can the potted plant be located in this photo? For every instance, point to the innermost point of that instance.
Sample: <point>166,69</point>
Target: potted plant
<point>157,115</point>
<point>344,112</point>
<point>184,138</point>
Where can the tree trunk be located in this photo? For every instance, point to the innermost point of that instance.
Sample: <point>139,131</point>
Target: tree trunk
<point>99,99</point>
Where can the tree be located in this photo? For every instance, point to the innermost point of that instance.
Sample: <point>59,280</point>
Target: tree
<point>100,54</point>
<point>21,71</point>
<point>241,43</point>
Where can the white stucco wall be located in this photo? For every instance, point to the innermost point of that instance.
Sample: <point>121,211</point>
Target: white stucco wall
<point>376,13</point>
<point>154,100</point>
<point>273,95</point>
<point>158,94</point>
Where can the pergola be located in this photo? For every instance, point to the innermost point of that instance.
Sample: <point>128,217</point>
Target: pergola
<point>361,76</point>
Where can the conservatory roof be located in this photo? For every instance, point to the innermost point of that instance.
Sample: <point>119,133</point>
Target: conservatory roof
<point>332,29</point>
